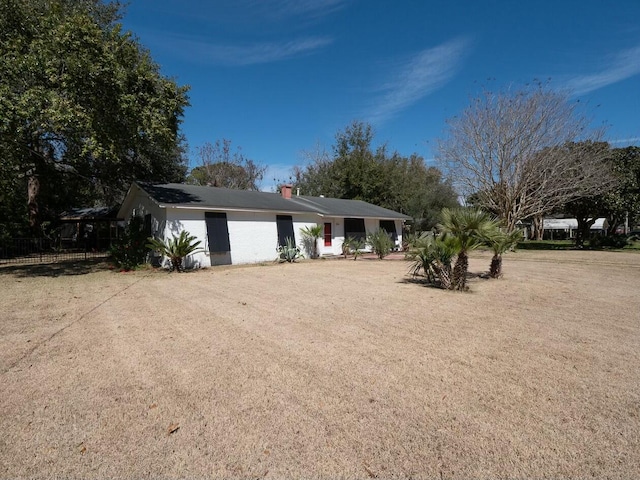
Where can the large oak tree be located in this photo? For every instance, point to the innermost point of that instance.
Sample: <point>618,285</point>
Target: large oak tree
<point>83,108</point>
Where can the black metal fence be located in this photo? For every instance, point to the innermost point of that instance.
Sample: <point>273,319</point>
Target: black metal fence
<point>44,250</point>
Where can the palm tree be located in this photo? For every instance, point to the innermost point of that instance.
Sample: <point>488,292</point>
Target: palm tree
<point>311,235</point>
<point>433,254</point>
<point>499,242</point>
<point>468,226</point>
<point>176,249</point>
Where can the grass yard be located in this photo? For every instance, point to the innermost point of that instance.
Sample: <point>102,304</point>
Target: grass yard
<point>323,369</point>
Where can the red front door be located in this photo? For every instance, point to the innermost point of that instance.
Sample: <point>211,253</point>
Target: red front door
<point>327,234</point>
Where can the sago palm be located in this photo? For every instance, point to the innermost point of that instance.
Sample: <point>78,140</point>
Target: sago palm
<point>433,254</point>
<point>468,226</point>
<point>176,248</point>
<point>499,242</point>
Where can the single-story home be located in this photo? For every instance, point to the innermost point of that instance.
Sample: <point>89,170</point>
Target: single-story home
<point>241,226</point>
<point>565,228</point>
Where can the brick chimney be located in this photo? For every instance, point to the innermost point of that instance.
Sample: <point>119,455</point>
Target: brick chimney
<point>285,190</point>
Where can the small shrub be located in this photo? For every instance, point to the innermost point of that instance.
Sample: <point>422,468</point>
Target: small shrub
<point>380,242</point>
<point>176,249</point>
<point>409,239</point>
<point>352,246</point>
<point>130,250</point>
<point>289,252</point>
<point>609,241</point>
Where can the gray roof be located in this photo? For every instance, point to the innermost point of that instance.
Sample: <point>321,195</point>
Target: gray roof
<point>340,207</point>
<point>91,213</point>
<point>181,195</point>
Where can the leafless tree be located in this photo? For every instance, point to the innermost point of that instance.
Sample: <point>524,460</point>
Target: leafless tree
<point>521,154</point>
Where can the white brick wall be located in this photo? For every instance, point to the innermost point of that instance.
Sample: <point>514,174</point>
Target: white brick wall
<point>253,236</point>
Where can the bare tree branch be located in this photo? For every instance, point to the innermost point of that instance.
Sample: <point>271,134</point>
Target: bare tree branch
<point>517,153</point>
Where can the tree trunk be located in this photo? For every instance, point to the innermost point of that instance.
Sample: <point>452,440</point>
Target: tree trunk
<point>584,230</point>
<point>443,272</point>
<point>538,227</point>
<point>460,272</point>
<point>33,190</point>
<point>495,271</point>
<point>614,222</point>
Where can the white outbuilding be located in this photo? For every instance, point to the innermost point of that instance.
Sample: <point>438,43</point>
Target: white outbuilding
<point>240,226</point>
<point>566,227</point>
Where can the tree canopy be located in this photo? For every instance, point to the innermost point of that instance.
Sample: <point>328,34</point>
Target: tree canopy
<point>521,154</point>
<point>619,204</point>
<point>221,168</point>
<point>357,171</point>
<point>84,110</point>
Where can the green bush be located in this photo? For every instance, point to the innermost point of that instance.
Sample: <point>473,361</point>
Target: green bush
<point>130,250</point>
<point>380,243</point>
<point>352,246</point>
<point>609,241</point>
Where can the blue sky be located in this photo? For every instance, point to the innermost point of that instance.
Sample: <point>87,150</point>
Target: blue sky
<point>278,77</point>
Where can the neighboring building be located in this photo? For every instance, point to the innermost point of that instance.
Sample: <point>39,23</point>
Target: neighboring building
<point>565,228</point>
<point>88,228</point>
<point>240,226</point>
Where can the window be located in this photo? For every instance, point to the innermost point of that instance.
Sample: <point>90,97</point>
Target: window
<point>354,228</point>
<point>285,229</point>
<point>217,232</point>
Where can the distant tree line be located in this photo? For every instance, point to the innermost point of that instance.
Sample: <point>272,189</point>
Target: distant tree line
<point>355,170</point>
<point>84,110</point>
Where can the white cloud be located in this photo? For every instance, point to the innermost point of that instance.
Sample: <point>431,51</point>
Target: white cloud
<point>628,141</point>
<point>281,9</point>
<point>249,54</point>
<point>421,75</point>
<point>624,65</point>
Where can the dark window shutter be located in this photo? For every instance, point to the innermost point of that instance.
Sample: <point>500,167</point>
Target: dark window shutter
<point>354,228</point>
<point>389,226</point>
<point>285,229</point>
<point>147,224</point>
<point>217,232</point>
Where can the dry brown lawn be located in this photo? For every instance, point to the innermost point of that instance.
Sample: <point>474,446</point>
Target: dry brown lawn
<point>323,369</point>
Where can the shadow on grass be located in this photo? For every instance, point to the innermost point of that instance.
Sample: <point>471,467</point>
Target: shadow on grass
<point>420,280</point>
<point>57,269</point>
